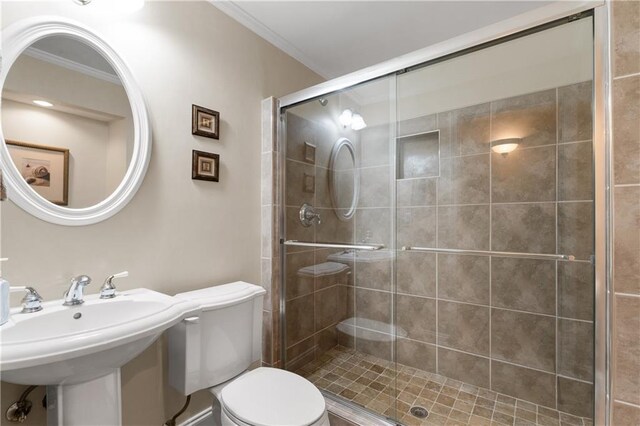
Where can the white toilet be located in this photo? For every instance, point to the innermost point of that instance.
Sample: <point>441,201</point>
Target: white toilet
<point>213,349</point>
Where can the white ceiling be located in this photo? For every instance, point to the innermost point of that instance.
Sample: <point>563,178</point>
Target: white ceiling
<point>334,38</point>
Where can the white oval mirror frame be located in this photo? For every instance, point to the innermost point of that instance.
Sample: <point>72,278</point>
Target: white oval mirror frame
<point>341,212</point>
<point>15,39</point>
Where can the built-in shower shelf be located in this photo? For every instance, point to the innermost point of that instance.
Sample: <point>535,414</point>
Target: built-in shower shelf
<point>418,155</point>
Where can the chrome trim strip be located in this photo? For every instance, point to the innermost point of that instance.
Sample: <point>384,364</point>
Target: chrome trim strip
<point>540,16</point>
<point>602,154</point>
<point>370,247</point>
<point>566,257</point>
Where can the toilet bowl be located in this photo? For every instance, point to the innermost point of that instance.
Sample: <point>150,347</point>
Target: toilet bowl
<point>213,349</point>
<point>269,397</point>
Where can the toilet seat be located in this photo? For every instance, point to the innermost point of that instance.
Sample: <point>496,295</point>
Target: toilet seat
<point>272,397</point>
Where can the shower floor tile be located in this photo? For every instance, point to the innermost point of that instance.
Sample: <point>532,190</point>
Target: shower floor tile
<point>372,382</point>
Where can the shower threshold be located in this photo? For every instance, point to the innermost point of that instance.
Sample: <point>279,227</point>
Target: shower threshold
<point>369,382</point>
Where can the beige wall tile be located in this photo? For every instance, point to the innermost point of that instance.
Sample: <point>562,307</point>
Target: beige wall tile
<point>524,284</point>
<point>416,192</point>
<point>625,414</point>
<point>417,316</point>
<point>626,132</point>
<point>575,353</point>
<point>417,354</point>
<point>470,130</point>
<point>524,175</point>
<point>463,278</point>
<point>464,327</point>
<point>416,273</point>
<point>526,228</point>
<point>464,227</point>
<point>575,290</point>
<point>464,180</point>
<point>626,37</point>
<point>531,117</point>
<point>464,367</point>
<point>300,319</point>
<point>626,245</point>
<point>575,397</point>
<point>626,368</point>
<point>575,112</point>
<point>525,339</point>
<point>531,385</point>
<point>575,229</point>
<point>575,171</point>
<point>416,226</point>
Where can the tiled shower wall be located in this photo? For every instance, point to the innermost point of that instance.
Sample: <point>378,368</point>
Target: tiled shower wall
<point>520,327</point>
<point>625,49</point>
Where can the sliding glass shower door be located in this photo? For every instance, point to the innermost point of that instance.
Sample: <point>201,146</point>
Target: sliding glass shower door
<point>439,236</point>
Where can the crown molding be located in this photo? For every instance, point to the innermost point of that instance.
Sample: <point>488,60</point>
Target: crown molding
<point>235,11</point>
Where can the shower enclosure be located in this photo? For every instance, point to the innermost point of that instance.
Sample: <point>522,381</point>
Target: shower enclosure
<point>438,235</point>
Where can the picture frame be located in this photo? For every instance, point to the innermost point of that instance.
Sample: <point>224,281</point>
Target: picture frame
<point>205,166</point>
<point>44,168</point>
<point>205,122</point>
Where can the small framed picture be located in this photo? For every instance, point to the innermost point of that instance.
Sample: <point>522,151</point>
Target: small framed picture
<point>205,122</point>
<point>44,168</point>
<point>205,166</point>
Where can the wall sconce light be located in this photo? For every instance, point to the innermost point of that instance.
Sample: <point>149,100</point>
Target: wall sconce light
<point>353,119</point>
<point>505,146</point>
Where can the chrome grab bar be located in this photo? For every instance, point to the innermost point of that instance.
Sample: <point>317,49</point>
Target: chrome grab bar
<point>369,247</point>
<point>494,253</point>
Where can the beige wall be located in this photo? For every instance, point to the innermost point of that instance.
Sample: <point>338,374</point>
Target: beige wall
<point>177,234</point>
<point>625,50</point>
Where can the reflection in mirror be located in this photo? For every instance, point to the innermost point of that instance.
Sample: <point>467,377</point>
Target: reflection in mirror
<point>67,122</point>
<point>344,180</point>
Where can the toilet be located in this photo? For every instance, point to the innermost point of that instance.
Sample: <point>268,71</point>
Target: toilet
<point>214,347</point>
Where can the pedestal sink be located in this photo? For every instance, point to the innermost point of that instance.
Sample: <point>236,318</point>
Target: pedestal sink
<point>77,351</point>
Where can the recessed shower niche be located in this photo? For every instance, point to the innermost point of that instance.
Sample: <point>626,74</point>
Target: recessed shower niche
<point>418,155</point>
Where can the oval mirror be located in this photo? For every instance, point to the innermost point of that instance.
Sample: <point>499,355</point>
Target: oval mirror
<point>76,139</point>
<point>344,179</point>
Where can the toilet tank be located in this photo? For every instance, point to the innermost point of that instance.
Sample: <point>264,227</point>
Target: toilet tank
<point>219,340</point>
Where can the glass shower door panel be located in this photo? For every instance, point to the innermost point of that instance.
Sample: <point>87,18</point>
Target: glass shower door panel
<point>339,220</point>
<point>494,155</point>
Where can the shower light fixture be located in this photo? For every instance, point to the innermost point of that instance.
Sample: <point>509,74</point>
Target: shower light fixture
<point>357,122</point>
<point>346,117</point>
<point>505,146</point>
<point>353,119</point>
<point>42,103</point>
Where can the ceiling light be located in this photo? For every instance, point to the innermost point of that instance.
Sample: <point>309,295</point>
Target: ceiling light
<point>43,103</point>
<point>505,146</point>
<point>346,117</point>
<point>357,122</point>
<point>82,2</point>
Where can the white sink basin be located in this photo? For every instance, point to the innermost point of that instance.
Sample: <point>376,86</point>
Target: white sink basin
<point>63,345</point>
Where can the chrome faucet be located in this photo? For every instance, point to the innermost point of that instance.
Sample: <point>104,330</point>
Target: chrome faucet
<point>108,290</point>
<point>74,295</point>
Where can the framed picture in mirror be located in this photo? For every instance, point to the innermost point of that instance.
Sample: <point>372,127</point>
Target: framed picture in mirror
<point>205,122</point>
<point>44,168</point>
<point>205,166</point>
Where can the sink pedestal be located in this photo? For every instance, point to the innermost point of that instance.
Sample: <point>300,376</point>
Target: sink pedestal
<point>96,402</point>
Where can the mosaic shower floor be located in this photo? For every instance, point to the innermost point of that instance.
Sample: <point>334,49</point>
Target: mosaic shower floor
<point>368,381</point>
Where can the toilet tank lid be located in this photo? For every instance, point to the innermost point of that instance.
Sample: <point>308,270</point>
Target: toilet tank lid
<point>221,296</point>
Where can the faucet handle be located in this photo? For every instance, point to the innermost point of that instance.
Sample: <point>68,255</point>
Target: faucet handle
<point>108,290</point>
<point>31,302</point>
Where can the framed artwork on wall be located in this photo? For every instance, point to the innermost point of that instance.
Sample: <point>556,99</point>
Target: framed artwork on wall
<point>205,122</point>
<point>205,166</point>
<point>44,168</point>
